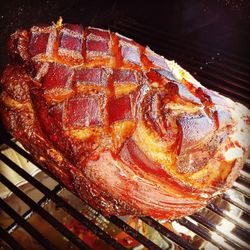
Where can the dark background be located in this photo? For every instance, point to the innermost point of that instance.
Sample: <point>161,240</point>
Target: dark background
<point>222,26</point>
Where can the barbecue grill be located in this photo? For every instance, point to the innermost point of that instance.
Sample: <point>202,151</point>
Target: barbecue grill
<point>41,213</point>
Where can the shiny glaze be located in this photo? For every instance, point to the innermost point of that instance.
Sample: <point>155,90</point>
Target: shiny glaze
<point>121,126</point>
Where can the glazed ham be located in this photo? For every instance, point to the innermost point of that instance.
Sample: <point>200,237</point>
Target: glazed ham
<point>120,126</point>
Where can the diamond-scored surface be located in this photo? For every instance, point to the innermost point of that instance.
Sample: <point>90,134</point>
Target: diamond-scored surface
<point>130,53</point>
<point>99,46</point>
<point>38,43</point>
<point>98,43</point>
<point>83,111</point>
<point>116,121</point>
<point>91,76</point>
<point>125,76</point>
<point>42,41</point>
<point>120,109</point>
<point>70,42</point>
<point>58,76</point>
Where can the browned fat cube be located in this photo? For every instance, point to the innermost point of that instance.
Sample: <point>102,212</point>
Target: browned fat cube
<point>83,111</point>
<point>119,109</point>
<point>58,77</point>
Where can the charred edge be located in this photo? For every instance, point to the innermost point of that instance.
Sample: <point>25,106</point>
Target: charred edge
<point>116,50</point>
<point>56,42</point>
<point>18,45</point>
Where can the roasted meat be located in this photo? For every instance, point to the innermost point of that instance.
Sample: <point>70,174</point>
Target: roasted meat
<point>120,126</point>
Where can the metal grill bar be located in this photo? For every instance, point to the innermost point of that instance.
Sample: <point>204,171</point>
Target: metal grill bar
<point>192,59</point>
<point>61,203</point>
<point>10,240</point>
<point>231,79</point>
<point>235,221</point>
<point>27,226</point>
<point>203,221</point>
<point>43,213</point>
<point>222,86</point>
<point>202,232</point>
<point>232,91</point>
<point>235,84</point>
<point>165,45</point>
<point>26,155</point>
<point>169,234</point>
<point>243,206</point>
<point>120,224</point>
<point>189,50</point>
<point>115,220</point>
<point>185,44</point>
<point>244,181</point>
<point>30,211</point>
<point>242,189</point>
<point>244,177</point>
<point>132,232</point>
<point>125,223</point>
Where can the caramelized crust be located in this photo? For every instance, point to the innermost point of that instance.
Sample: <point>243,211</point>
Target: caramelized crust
<point>119,125</point>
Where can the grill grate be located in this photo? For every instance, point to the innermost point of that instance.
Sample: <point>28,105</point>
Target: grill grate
<point>217,70</point>
<point>220,71</point>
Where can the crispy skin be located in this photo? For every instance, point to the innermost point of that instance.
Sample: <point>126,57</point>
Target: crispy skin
<point>119,125</point>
